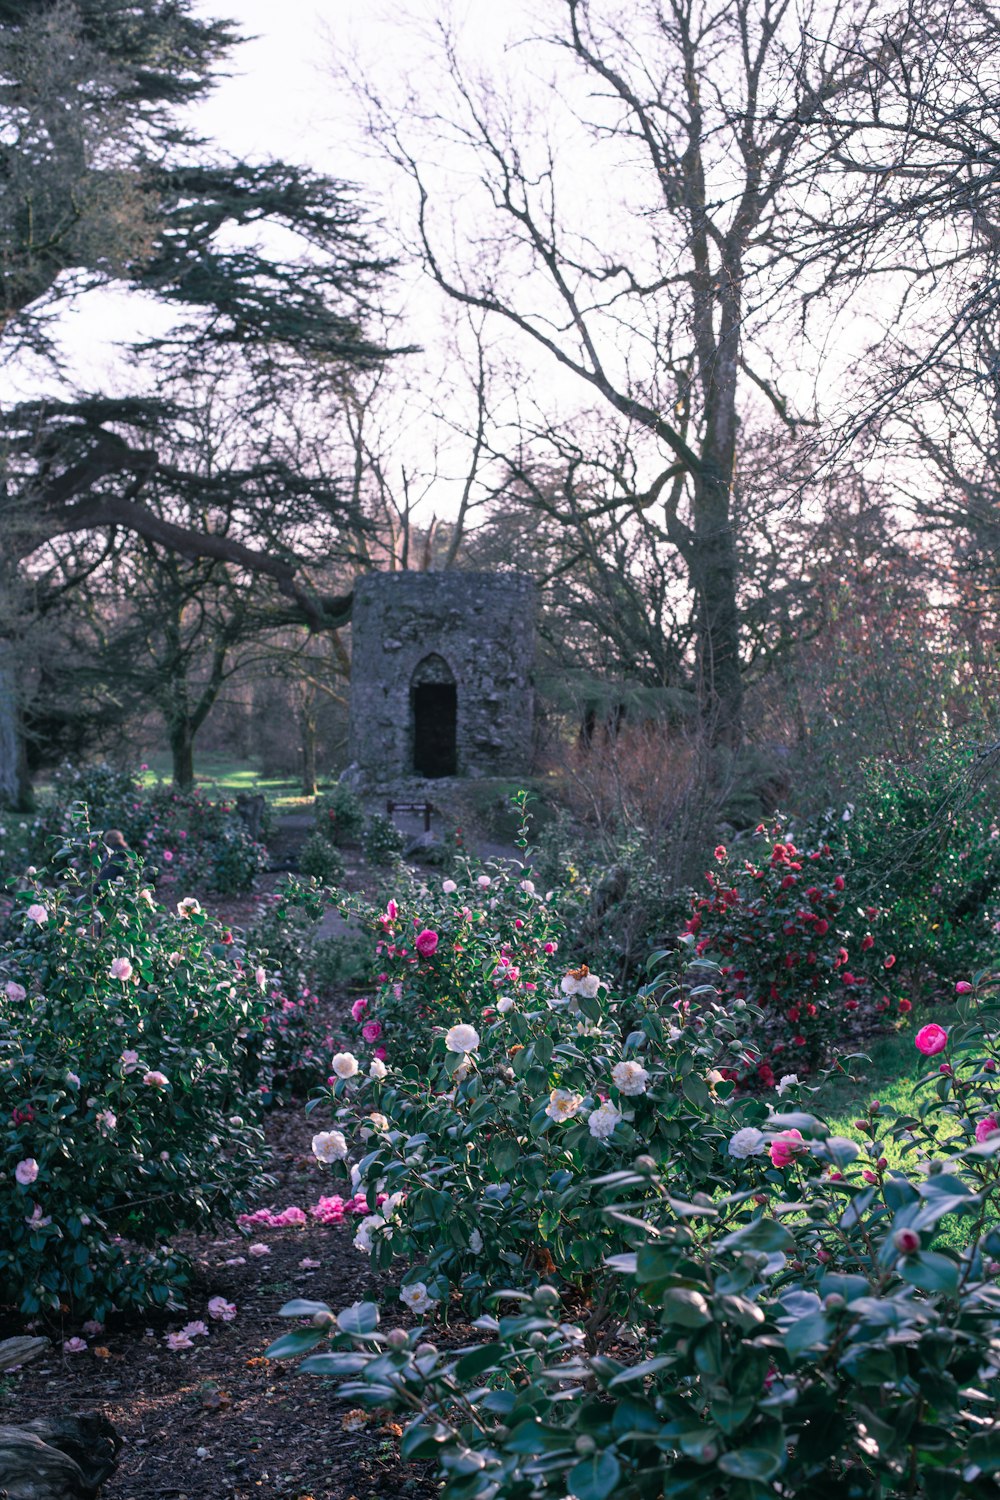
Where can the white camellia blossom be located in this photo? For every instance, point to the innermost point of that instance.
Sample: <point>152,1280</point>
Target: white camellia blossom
<point>329,1145</point>
<point>379,1122</point>
<point>505,1004</point>
<point>747,1142</point>
<point>569,985</point>
<point>528,887</point>
<point>188,906</point>
<point>461,1038</point>
<point>602,1121</point>
<point>629,1077</point>
<point>344,1064</point>
<point>363,1237</point>
<point>563,1104</point>
<point>475,1242</point>
<point>416,1297</point>
<point>788,1081</point>
<point>588,986</point>
<point>449,887</point>
<point>378,1068</point>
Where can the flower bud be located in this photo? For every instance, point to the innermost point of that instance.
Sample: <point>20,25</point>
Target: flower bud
<point>833,1302</point>
<point>396,1338</point>
<point>585,1444</point>
<point>906,1241</point>
<point>323,1319</point>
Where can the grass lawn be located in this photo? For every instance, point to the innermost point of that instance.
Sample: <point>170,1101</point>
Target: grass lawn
<point>224,775</point>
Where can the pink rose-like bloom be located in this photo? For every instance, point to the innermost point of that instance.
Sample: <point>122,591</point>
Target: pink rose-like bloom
<point>26,1171</point>
<point>484,882</point>
<point>179,1341</point>
<point>371,1031</point>
<point>785,1147</point>
<point>985,1128</point>
<point>221,1310</point>
<point>155,1080</point>
<point>195,1330</point>
<point>74,1346</point>
<point>380,1053</point>
<point>168,858</point>
<point>391,910</point>
<point>963,987</point>
<point>121,968</point>
<point>258,1250</point>
<point>426,943</point>
<point>37,914</point>
<point>931,1039</point>
<point>358,1009</point>
<point>549,947</point>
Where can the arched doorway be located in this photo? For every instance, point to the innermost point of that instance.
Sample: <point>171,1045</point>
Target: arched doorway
<point>434,713</point>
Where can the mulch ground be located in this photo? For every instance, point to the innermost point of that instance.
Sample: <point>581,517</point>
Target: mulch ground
<point>218,1421</point>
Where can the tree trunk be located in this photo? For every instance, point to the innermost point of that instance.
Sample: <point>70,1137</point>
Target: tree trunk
<point>182,754</point>
<point>714,573</point>
<point>307,720</point>
<point>15,784</point>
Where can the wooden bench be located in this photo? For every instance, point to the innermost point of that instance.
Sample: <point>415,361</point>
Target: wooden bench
<point>424,808</point>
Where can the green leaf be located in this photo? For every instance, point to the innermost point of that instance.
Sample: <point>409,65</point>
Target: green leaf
<point>300,1341</point>
<point>596,1478</point>
<point>750,1463</point>
<point>685,1307</point>
<point>931,1272</point>
<point>477,1361</point>
<point>763,1234</point>
<point>300,1308</point>
<point>359,1318</point>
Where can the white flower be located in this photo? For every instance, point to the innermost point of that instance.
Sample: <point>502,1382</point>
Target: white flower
<point>629,1077</point>
<point>588,986</point>
<point>363,1238</point>
<point>107,1120</point>
<point>416,1297</point>
<point>788,1081</point>
<point>603,1121</point>
<point>37,914</point>
<point>563,1104</point>
<point>188,906</point>
<point>461,1038</point>
<point>475,1242</point>
<point>569,985</point>
<point>121,968</point>
<point>329,1145</point>
<point>378,1068</point>
<point>528,887</point>
<point>449,887</point>
<point>504,1005</point>
<point>747,1142</point>
<point>260,977</point>
<point>379,1121</point>
<point>344,1064</point>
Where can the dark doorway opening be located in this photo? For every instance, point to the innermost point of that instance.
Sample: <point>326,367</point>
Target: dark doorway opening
<point>435,725</point>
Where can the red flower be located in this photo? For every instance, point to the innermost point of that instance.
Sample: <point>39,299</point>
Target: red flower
<point>905,1005</point>
<point>822,927</point>
<point>889,961</point>
<point>867,942</point>
<point>838,882</point>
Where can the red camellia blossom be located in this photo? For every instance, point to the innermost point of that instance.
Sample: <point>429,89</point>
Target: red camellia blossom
<point>426,942</point>
<point>889,961</point>
<point>905,1005</point>
<point>822,927</point>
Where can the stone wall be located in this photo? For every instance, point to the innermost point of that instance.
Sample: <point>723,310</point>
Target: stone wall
<point>439,661</point>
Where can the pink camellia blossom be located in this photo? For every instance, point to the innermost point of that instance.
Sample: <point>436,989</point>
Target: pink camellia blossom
<point>260,977</point>
<point>74,1346</point>
<point>37,913</point>
<point>549,947</point>
<point>358,1009</point>
<point>963,987</point>
<point>986,1128</point>
<point>14,991</point>
<point>178,1341</point>
<point>121,969</point>
<point>391,910</point>
<point>26,1171</point>
<point>92,1328</point>
<point>484,882</point>
<point>785,1147</point>
<point>931,1039</point>
<point>380,1054</point>
<point>258,1250</point>
<point>720,851</point>
<point>371,1031</point>
<point>155,1080</point>
<point>168,857</point>
<point>195,1330</point>
<point>221,1310</point>
<point>309,1265</point>
<point>426,942</point>
<point>130,1060</point>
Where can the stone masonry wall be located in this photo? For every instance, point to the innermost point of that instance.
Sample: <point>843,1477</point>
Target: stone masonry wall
<point>482,625</point>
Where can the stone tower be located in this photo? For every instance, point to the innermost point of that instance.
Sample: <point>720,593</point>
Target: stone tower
<point>441,676</point>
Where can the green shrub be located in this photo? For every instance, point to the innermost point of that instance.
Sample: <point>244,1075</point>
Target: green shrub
<point>130,1055</point>
<point>298,1041</point>
<point>321,859</point>
<point>340,817</point>
<point>382,842</point>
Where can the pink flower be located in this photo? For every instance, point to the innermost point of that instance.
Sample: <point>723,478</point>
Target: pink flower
<point>74,1346</point>
<point>121,969</point>
<point>963,987</point>
<point>484,882</point>
<point>26,1171</point>
<point>221,1310</point>
<point>426,943</point>
<point>931,1039</point>
<point>195,1330</point>
<point>785,1147</point>
<point>720,851</point>
<point>37,914</point>
<point>14,991</point>
<point>179,1341</point>
<point>168,858</point>
<point>906,1241</point>
<point>391,911</point>
<point>155,1080</point>
<point>371,1031</point>
<point>380,1053</point>
<point>358,1009</point>
<point>987,1127</point>
<point>258,1250</point>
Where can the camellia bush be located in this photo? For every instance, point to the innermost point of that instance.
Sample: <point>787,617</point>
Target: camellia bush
<point>788,937</point>
<point>131,1047</point>
<point>809,1321</point>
